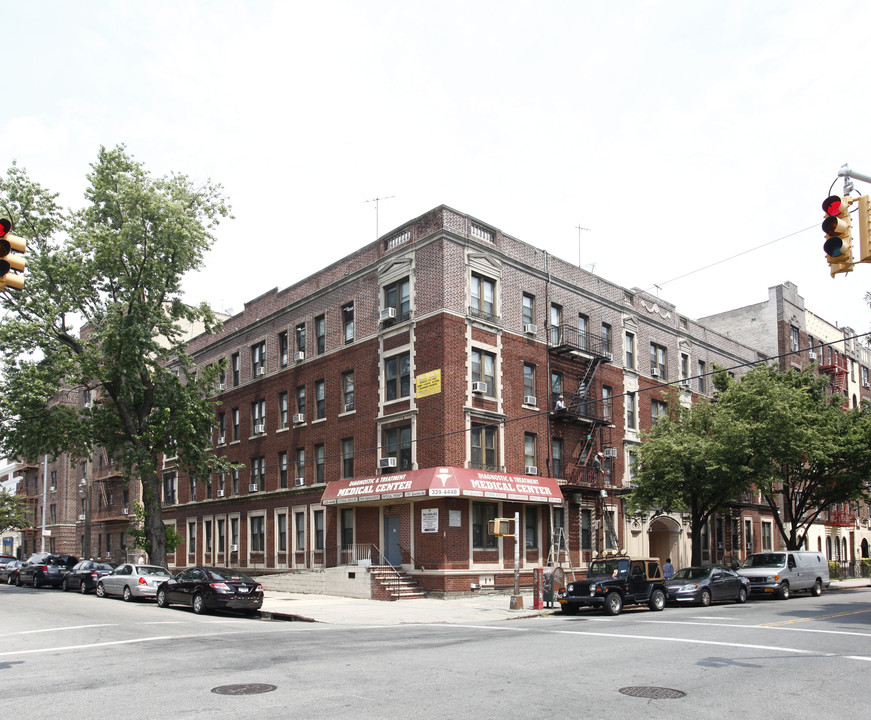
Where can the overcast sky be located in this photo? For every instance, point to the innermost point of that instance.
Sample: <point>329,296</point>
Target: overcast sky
<point>679,133</point>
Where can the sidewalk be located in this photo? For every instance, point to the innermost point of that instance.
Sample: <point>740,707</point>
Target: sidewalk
<point>466,610</point>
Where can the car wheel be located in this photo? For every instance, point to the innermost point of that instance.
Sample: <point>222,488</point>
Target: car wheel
<point>817,589</point>
<point>83,588</point>
<point>742,595</point>
<point>65,586</point>
<point>784,591</point>
<point>100,591</point>
<point>199,604</point>
<point>705,597</point>
<point>613,603</point>
<point>570,609</point>
<point>657,600</point>
<point>37,583</point>
<point>127,596</point>
<point>162,600</point>
<point>18,581</point>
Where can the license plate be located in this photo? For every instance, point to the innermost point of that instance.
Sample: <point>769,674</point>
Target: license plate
<point>243,589</point>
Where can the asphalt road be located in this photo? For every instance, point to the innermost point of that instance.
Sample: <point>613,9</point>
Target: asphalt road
<point>64,653</point>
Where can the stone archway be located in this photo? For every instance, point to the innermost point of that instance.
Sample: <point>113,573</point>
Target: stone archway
<point>664,535</point>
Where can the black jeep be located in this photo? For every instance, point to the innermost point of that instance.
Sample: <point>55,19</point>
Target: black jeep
<point>614,581</point>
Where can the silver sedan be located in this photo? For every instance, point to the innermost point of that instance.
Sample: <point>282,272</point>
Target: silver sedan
<point>132,581</point>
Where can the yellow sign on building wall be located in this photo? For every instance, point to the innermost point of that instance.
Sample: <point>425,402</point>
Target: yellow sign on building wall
<point>428,383</point>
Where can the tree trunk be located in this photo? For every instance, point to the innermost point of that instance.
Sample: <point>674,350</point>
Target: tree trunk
<point>155,532</point>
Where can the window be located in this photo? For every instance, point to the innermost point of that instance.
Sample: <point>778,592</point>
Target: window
<point>282,348</point>
<point>347,458</point>
<point>192,489</point>
<point>484,369</point>
<point>631,416</point>
<point>529,454</point>
<point>169,490</point>
<point>300,400</point>
<point>234,531</point>
<point>258,471</point>
<point>556,387</point>
<point>736,535</point>
<point>300,463</point>
<point>258,533</point>
<point>766,536</point>
<point>319,463</point>
<point>607,394</point>
<point>684,366</point>
<point>483,296</point>
<point>235,483</point>
<point>348,390</point>
<point>282,469</point>
<point>586,529</point>
<point>629,346</point>
<point>258,359</point>
<point>556,324</point>
<point>528,309</point>
<point>320,334</point>
<point>222,428</point>
<point>282,409</point>
<point>748,535</point>
<point>482,514</point>
<point>483,442</point>
<point>398,296</point>
<point>583,331</point>
<point>793,338</point>
<point>347,527</point>
<point>222,536</point>
<point>531,530</point>
<point>606,338</point>
<point>300,530</point>
<point>299,335</point>
<point>556,457</point>
<point>320,402</point>
<point>258,417</point>
<point>397,444</point>
<point>658,409</point>
<point>281,531</point>
<point>397,376</point>
<point>222,376</point>
<point>348,322</point>
<point>528,380</point>
<point>319,529</point>
<point>234,364</point>
<point>235,414</point>
<point>658,361</point>
<point>703,380</point>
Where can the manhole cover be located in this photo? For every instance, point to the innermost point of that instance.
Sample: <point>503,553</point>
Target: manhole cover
<point>244,689</point>
<point>654,693</point>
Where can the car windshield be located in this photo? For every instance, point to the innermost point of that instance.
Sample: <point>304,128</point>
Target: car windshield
<point>691,574</point>
<point>764,560</point>
<point>152,570</point>
<point>610,568</point>
<point>231,575</point>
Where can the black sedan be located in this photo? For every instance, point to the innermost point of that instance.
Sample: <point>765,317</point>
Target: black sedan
<point>9,572</point>
<point>85,576</point>
<point>704,585</point>
<point>204,589</point>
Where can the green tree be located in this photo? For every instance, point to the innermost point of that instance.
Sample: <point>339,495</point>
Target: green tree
<point>690,462</point>
<point>11,511</point>
<point>101,311</point>
<point>810,452</point>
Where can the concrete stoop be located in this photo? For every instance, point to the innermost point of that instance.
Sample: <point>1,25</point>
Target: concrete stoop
<point>394,584</point>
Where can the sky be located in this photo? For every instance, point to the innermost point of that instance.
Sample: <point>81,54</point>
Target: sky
<point>694,141</point>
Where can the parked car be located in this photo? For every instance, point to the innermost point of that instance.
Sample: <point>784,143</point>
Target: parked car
<point>704,585</point>
<point>45,569</point>
<point>132,581</point>
<point>9,572</point>
<point>84,576</point>
<point>205,589</point>
<point>6,558</point>
<point>783,573</point>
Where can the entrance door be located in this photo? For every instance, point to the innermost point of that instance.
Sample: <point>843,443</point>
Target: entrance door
<point>392,551</point>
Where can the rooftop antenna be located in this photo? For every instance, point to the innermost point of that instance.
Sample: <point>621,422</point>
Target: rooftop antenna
<point>580,230</point>
<point>376,201</point>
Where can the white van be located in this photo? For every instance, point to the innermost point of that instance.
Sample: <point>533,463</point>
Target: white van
<point>783,573</point>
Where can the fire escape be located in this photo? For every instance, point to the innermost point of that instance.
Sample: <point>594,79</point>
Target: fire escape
<point>835,364</point>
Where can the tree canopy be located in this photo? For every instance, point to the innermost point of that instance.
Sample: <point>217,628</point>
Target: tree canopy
<point>11,511</point>
<point>102,314</point>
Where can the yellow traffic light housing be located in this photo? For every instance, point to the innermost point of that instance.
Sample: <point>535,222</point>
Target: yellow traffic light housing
<point>864,229</point>
<point>10,244</point>
<point>837,226</point>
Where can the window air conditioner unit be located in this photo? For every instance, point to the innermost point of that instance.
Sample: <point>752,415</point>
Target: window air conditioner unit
<point>82,516</point>
<point>530,329</point>
<point>609,356</point>
<point>812,355</point>
<point>261,371</point>
<point>387,462</point>
<point>300,355</point>
<point>387,314</point>
<point>299,482</point>
<point>234,548</point>
<point>532,470</point>
<point>221,387</point>
<point>259,428</point>
<point>252,487</point>
<point>83,482</point>
<point>654,372</point>
<point>125,511</point>
<point>685,383</point>
<point>53,488</point>
<point>298,418</point>
<point>220,493</point>
<point>222,440</point>
<point>529,399</point>
<point>479,387</point>
<point>611,452</point>
<point>108,553</point>
<point>349,407</point>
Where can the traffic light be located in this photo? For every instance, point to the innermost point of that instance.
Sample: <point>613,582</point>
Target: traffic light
<point>8,260</point>
<point>839,239</point>
<point>864,229</point>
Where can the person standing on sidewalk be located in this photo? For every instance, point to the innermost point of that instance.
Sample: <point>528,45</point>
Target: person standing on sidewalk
<point>668,569</point>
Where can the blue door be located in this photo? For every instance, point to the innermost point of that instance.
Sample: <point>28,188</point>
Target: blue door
<point>392,551</point>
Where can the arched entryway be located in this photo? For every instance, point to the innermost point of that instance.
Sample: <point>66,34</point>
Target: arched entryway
<point>664,540</point>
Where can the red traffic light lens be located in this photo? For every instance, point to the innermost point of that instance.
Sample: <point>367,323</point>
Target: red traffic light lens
<point>5,227</point>
<point>832,205</point>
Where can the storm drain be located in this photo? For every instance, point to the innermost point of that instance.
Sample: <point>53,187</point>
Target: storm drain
<point>244,689</point>
<point>652,693</point>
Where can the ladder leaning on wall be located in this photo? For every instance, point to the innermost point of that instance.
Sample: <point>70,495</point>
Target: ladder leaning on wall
<point>559,557</point>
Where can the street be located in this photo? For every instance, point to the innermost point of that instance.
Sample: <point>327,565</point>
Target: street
<point>62,653</point>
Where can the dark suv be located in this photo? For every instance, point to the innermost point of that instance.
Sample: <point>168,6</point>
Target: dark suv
<point>614,581</point>
<point>45,569</point>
